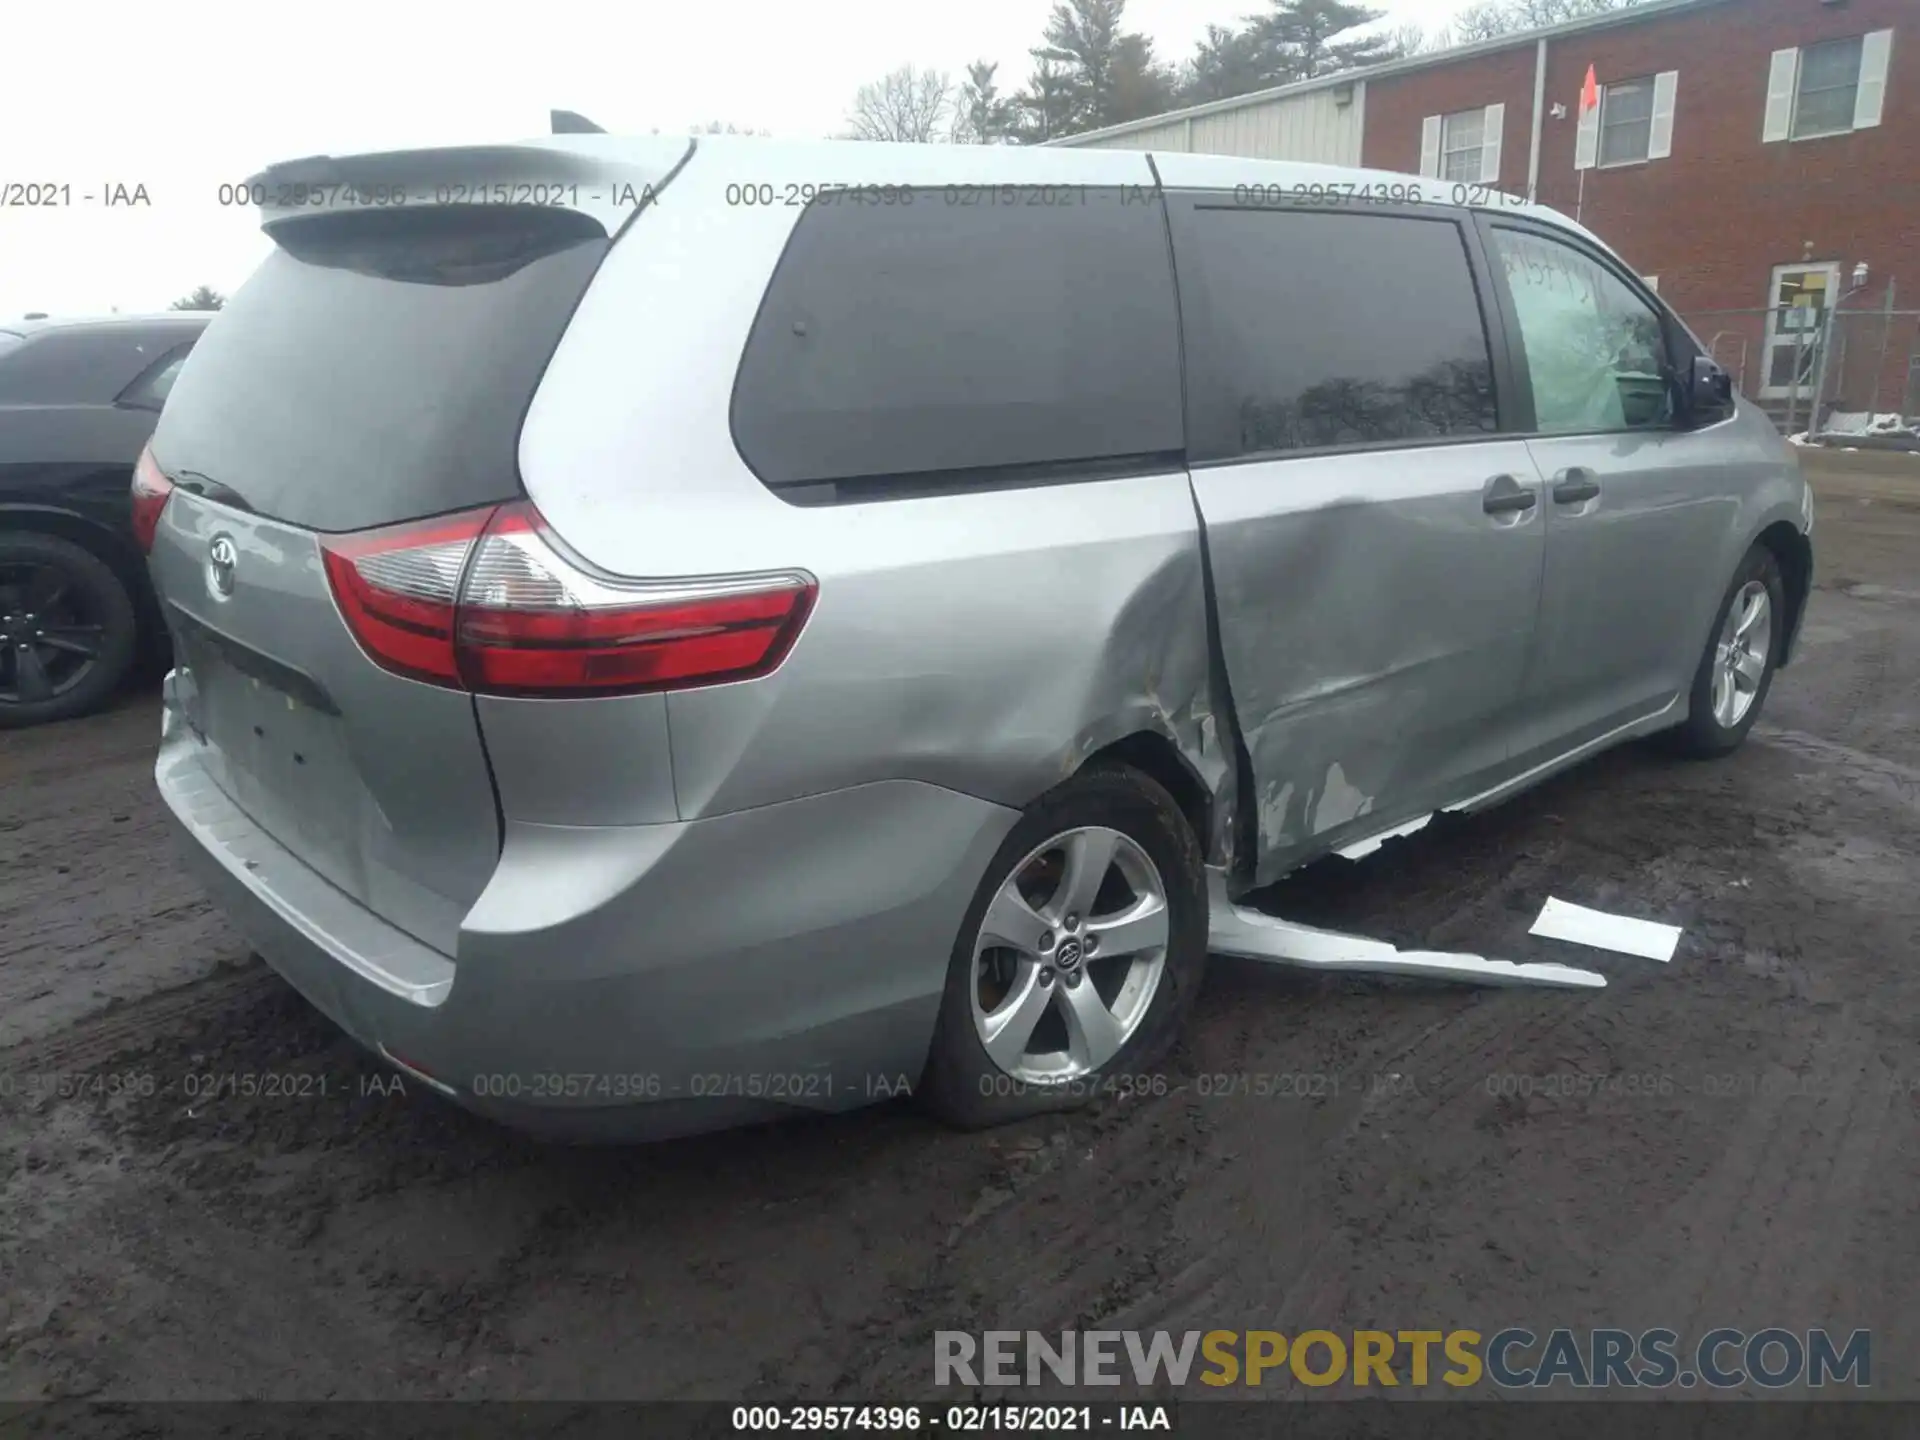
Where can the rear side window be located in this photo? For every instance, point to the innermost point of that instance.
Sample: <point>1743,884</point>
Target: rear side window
<point>150,391</point>
<point>956,340</point>
<point>1310,330</point>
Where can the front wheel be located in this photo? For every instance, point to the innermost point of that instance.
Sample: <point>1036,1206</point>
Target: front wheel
<point>1735,673</point>
<point>1079,957</point>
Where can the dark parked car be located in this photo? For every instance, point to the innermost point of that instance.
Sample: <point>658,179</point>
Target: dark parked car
<point>78,399</point>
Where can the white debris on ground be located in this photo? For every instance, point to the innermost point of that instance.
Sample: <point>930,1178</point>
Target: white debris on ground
<point>1561,920</point>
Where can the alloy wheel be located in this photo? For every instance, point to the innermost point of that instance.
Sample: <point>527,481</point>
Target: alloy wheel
<point>1741,654</point>
<point>1069,956</point>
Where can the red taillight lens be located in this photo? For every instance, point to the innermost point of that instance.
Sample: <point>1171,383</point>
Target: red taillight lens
<point>151,491</point>
<point>488,601</point>
<point>398,588</point>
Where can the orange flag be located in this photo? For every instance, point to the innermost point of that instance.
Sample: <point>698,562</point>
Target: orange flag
<point>1589,92</point>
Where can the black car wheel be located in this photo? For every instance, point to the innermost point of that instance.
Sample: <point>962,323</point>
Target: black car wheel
<point>67,630</point>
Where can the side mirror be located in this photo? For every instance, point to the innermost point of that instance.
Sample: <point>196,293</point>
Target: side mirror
<point>1709,387</point>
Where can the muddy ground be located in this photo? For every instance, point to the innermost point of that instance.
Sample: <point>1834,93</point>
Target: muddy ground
<point>366,1244</point>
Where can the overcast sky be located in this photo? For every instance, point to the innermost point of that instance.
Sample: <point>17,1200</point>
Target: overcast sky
<point>182,96</point>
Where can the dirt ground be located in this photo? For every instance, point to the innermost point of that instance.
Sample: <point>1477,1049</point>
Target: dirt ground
<point>360,1244</point>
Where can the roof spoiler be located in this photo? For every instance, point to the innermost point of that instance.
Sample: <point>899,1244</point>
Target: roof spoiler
<point>569,122</point>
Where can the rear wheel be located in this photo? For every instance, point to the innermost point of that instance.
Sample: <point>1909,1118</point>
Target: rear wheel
<point>67,630</point>
<point>1079,958</point>
<point>1735,673</point>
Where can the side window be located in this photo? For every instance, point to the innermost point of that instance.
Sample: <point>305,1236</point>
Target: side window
<point>150,391</point>
<point>1310,329</point>
<point>1595,351</point>
<point>81,366</point>
<point>959,332</point>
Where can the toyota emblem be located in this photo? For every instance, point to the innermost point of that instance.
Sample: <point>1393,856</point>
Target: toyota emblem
<point>221,557</point>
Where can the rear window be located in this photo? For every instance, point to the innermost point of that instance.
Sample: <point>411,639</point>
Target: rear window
<point>378,365</point>
<point>1316,330</point>
<point>965,337</point>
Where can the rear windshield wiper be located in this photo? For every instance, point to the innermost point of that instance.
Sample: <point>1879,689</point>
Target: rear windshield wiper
<point>213,490</point>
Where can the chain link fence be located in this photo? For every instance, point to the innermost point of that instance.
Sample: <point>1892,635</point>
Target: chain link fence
<point>1852,372</point>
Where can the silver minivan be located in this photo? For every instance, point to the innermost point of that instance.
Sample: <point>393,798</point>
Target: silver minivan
<point>670,632</point>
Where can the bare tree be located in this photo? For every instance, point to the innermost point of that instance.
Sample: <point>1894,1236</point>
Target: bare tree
<point>1404,40</point>
<point>906,104</point>
<point>1490,19</point>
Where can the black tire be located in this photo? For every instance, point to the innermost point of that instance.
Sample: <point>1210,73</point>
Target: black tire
<point>961,1083</point>
<point>1702,736</point>
<point>74,594</point>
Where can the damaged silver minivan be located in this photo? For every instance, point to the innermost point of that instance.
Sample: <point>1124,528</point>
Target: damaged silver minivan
<point>669,632</point>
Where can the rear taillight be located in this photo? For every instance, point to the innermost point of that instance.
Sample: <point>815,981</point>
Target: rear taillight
<point>488,601</point>
<point>151,491</point>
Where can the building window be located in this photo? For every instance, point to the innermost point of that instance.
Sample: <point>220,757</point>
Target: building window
<point>1461,139</point>
<point>1626,121</point>
<point>1632,123</point>
<point>1827,89</point>
<point>1829,84</point>
<point>1463,146</point>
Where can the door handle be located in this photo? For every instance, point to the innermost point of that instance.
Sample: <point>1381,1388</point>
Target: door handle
<point>1505,495</point>
<point>1574,485</point>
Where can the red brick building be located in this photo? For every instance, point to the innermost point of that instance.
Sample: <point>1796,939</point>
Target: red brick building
<point>1746,155</point>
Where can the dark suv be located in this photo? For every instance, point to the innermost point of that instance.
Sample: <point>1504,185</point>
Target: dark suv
<point>78,399</point>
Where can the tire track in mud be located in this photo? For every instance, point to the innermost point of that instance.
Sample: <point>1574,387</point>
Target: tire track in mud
<point>92,909</point>
<point>1391,1051</point>
<point>1374,1184</point>
<point>136,1026</point>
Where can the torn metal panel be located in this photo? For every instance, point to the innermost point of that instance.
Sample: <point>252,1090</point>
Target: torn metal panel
<point>1560,920</point>
<point>1353,690</point>
<point>1235,930</point>
<point>1360,849</point>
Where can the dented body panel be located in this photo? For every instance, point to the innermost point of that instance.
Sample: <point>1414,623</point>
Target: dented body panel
<point>1376,626</point>
<point>987,642</point>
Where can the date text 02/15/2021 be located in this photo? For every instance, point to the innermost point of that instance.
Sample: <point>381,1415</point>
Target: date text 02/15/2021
<point>951,1419</point>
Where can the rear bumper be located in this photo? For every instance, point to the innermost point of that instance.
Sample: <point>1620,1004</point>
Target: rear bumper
<point>642,981</point>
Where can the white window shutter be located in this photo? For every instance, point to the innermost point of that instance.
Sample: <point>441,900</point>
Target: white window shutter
<point>1782,75</point>
<point>1586,142</point>
<point>1660,134</point>
<point>1430,145</point>
<point>1876,49</point>
<point>1491,124</point>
